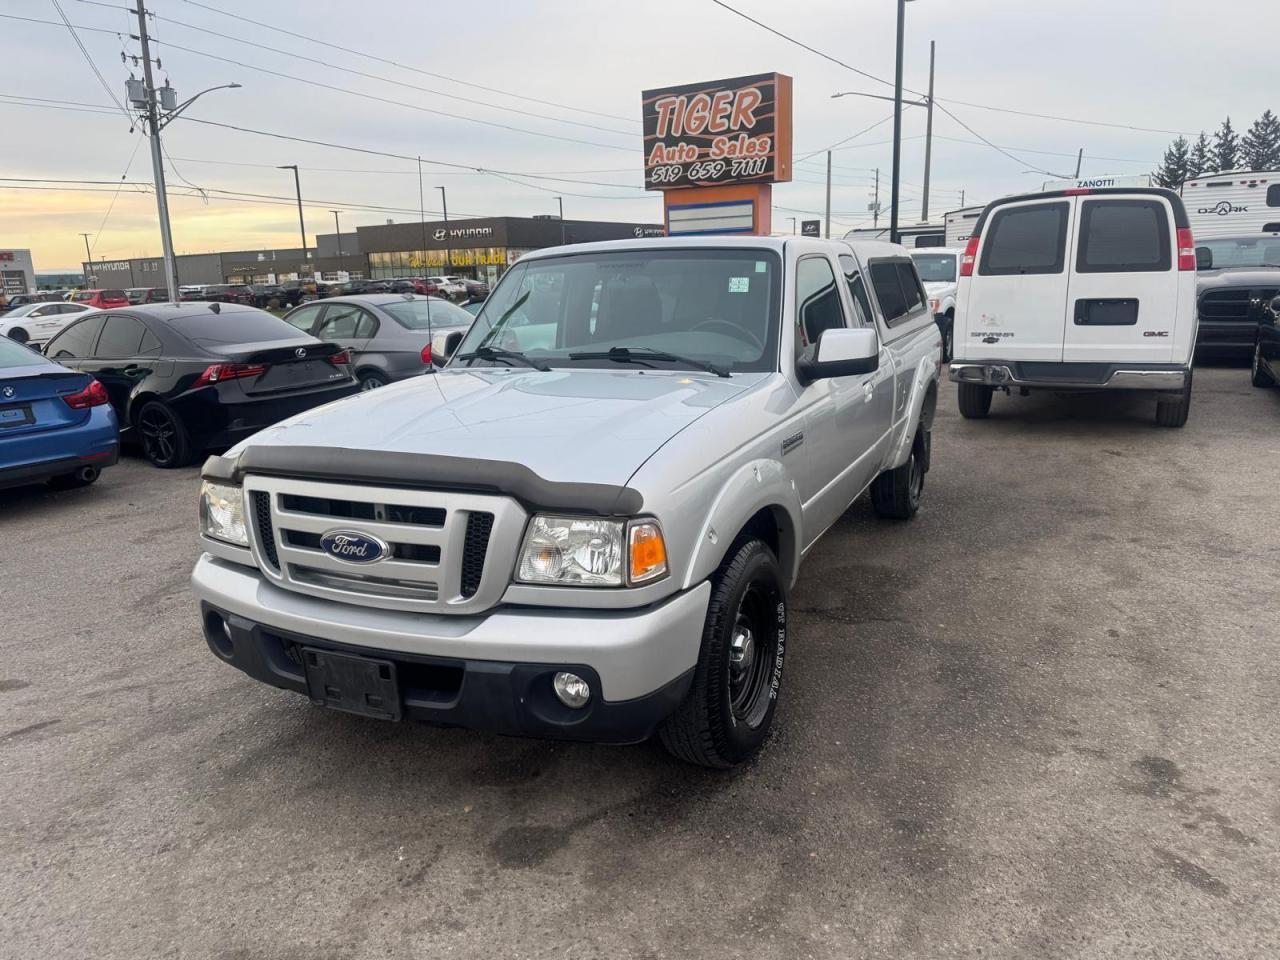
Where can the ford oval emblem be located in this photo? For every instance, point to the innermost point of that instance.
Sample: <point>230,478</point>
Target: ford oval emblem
<point>352,546</point>
<point>300,352</point>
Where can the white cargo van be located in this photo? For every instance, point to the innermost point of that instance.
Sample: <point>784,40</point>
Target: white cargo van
<point>1234,203</point>
<point>1078,289</point>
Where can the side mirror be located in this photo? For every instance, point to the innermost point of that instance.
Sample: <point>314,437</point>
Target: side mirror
<point>842,353</point>
<point>1204,258</point>
<point>443,344</point>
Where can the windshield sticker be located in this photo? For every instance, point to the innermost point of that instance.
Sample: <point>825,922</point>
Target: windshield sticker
<point>739,284</point>
<point>760,266</point>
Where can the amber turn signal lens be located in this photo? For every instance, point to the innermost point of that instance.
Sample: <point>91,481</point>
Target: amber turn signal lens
<point>648,552</point>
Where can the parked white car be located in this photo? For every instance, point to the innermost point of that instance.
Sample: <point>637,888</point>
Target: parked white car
<point>1078,290</point>
<point>938,268</point>
<point>451,287</point>
<point>36,323</point>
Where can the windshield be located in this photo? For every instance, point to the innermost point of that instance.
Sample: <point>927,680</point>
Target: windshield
<point>710,305</point>
<point>935,267</point>
<point>1243,252</point>
<point>420,314</point>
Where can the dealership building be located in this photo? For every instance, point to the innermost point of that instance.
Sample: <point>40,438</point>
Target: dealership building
<point>17,275</point>
<point>481,248</point>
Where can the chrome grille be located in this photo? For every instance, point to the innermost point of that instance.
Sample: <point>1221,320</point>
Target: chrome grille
<point>448,552</point>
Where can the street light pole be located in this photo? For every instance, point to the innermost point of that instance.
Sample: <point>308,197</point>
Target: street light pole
<point>828,194</point>
<point>448,253</point>
<point>302,227</point>
<point>897,125</point>
<point>560,200</point>
<point>338,230</point>
<point>88,257</point>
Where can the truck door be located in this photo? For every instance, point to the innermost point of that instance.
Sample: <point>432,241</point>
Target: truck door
<point>1123,293</point>
<point>1017,304</point>
<point>842,430</point>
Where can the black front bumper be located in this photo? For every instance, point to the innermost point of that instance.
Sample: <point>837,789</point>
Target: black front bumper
<point>1226,336</point>
<point>515,699</point>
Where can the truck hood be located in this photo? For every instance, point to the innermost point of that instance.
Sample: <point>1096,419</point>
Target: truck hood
<point>583,425</point>
<point>938,288</point>
<point>1238,277</point>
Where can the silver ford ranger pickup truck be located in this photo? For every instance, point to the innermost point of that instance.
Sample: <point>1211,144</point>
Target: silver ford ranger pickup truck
<point>587,524</point>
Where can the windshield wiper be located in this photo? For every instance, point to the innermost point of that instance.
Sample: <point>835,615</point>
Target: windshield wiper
<point>645,354</point>
<point>493,353</point>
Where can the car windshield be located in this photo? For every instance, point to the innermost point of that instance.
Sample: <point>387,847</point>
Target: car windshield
<point>935,267</point>
<point>1243,252</point>
<point>709,305</point>
<point>424,313</point>
<point>14,354</point>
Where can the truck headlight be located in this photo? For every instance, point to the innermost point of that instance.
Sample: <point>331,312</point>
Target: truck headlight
<point>576,551</point>
<point>222,513</point>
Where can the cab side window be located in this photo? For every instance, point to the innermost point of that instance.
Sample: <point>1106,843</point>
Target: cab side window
<point>862,312</point>
<point>818,304</point>
<point>1026,240</point>
<point>339,322</point>
<point>305,318</point>
<point>76,341</point>
<point>884,277</point>
<point>121,337</point>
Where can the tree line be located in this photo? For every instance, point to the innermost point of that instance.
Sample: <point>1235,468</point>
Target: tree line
<point>1258,149</point>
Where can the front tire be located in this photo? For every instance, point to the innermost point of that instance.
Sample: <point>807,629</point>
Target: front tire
<point>726,716</point>
<point>975,400</point>
<point>948,338</point>
<point>372,381</point>
<point>19,335</point>
<point>1259,375</point>
<point>1173,413</point>
<point>165,441</point>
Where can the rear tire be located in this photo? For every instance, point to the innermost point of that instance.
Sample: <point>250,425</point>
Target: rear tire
<point>1173,413</point>
<point>19,335</point>
<point>164,438</point>
<point>975,400</point>
<point>896,493</point>
<point>1259,375</point>
<point>726,716</point>
<point>372,381</point>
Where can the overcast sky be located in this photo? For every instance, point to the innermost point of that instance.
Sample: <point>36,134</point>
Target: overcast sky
<point>1159,64</point>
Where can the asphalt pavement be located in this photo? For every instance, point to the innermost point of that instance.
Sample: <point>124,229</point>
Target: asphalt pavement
<point>1039,720</point>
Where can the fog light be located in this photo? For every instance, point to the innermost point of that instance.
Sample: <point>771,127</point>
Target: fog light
<point>571,690</point>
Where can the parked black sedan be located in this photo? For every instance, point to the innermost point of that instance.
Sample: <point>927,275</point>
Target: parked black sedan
<point>186,377</point>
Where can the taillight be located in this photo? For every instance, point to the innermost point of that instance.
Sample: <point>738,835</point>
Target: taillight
<point>340,358</point>
<point>94,395</point>
<point>1186,249</point>
<point>970,255</point>
<point>216,373</point>
<point>426,354</point>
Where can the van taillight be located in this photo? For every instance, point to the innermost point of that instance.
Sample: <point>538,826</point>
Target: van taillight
<point>216,373</point>
<point>1186,249</point>
<point>970,255</point>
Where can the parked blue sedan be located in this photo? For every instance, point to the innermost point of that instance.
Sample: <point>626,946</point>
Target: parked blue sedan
<point>56,425</point>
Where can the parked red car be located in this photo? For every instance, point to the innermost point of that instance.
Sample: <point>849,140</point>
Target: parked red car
<point>103,299</point>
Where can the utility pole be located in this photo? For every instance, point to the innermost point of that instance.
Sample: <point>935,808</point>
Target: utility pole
<point>422,216</point>
<point>338,230</point>
<point>302,227</point>
<point>88,257</point>
<point>928,141</point>
<point>560,200</point>
<point>157,158</point>
<point>875,212</point>
<point>793,226</point>
<point>1079,158</point>
<point>897,126</point>
<point>962,198</point>
<point>448,252</point>
<point>828,194</point>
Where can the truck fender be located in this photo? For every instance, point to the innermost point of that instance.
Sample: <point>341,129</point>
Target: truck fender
<point>759,485</point>
<point>920,409</point>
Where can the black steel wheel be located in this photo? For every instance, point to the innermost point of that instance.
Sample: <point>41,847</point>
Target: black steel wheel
<point>727,714</point>
<point>164,439</point>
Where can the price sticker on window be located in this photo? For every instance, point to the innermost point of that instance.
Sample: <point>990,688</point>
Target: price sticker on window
<point>739,284</point>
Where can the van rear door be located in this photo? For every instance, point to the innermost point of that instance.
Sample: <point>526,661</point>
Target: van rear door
<point>1122,301</point>
<point>1016,300</point>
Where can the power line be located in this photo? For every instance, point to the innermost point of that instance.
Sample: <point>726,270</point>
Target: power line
<point>399,83</point>
<point>405,66</point>
<point>388,100</point>
<point>112,205</point>
<point>939,100</point>
<point>996,147</point>
<point>89,60</point>
<point>840,143</point>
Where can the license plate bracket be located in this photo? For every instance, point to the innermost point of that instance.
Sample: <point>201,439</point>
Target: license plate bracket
<point>361,685</point>
<point>16,416</point>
